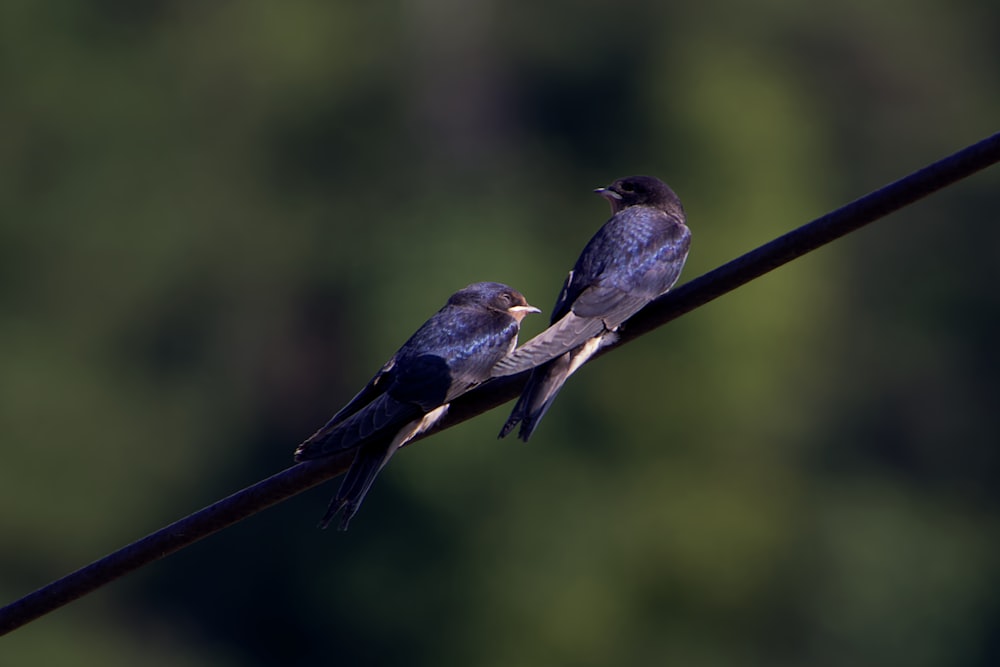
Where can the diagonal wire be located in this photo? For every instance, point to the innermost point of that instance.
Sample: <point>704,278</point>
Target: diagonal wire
<point>685,298</point>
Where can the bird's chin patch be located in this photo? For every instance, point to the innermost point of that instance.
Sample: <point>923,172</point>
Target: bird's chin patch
<point>612,197</point>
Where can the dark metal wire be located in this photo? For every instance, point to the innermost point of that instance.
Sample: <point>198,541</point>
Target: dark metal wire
<point>685,298</point>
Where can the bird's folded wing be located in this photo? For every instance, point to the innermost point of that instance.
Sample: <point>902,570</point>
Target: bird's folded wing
<point>561,337</point>
<point>376,386</point>
<point>611,305</point>
<point>381,418</point>
<point>596,310</point>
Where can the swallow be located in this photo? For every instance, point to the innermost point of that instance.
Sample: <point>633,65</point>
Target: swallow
<point>634,258</point>
<point>449,354</point>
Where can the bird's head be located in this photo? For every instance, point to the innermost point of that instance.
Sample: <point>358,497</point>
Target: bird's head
<point>640,191</point>
<point>494,296</point>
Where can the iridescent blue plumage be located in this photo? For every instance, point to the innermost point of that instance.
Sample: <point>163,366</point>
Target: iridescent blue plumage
<point>447,356</point>
<point>634,258</point>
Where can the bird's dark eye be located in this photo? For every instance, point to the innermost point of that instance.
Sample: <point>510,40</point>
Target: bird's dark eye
<point>626,187</point>
<point>505,297</point>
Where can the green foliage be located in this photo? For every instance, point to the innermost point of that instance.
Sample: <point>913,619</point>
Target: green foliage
<point>217,220</point>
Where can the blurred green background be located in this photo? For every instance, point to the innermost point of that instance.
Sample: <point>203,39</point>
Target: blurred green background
<point>217,220</point>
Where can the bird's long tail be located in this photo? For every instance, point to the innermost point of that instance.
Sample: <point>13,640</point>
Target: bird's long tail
<point>542,388</point>
<point>544,385</point>
<point>368,462</point>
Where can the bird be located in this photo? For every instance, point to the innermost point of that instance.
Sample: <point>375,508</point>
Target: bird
<point>448,355</point>
<point>634,258</point>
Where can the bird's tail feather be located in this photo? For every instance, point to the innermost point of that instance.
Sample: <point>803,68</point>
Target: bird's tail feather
<point>542,388</point>
<point>368,462</point>
<point>546,381</point>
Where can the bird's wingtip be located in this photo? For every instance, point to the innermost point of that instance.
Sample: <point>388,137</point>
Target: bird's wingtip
<point>338,506</point>
<point>527,428</point>
<point>302,452</point>
<point>507,428</point>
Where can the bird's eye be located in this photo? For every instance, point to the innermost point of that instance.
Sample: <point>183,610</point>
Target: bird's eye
<point>626,187</point>
<point>505,297</point>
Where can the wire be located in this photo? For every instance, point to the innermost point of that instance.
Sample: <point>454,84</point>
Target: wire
<point>684,299</point>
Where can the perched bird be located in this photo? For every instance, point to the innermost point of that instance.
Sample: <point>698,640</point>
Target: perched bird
<point>450,353</point>
<point>635,257</point>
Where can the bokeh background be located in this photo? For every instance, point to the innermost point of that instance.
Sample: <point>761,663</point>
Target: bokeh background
<point>217,220</point>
